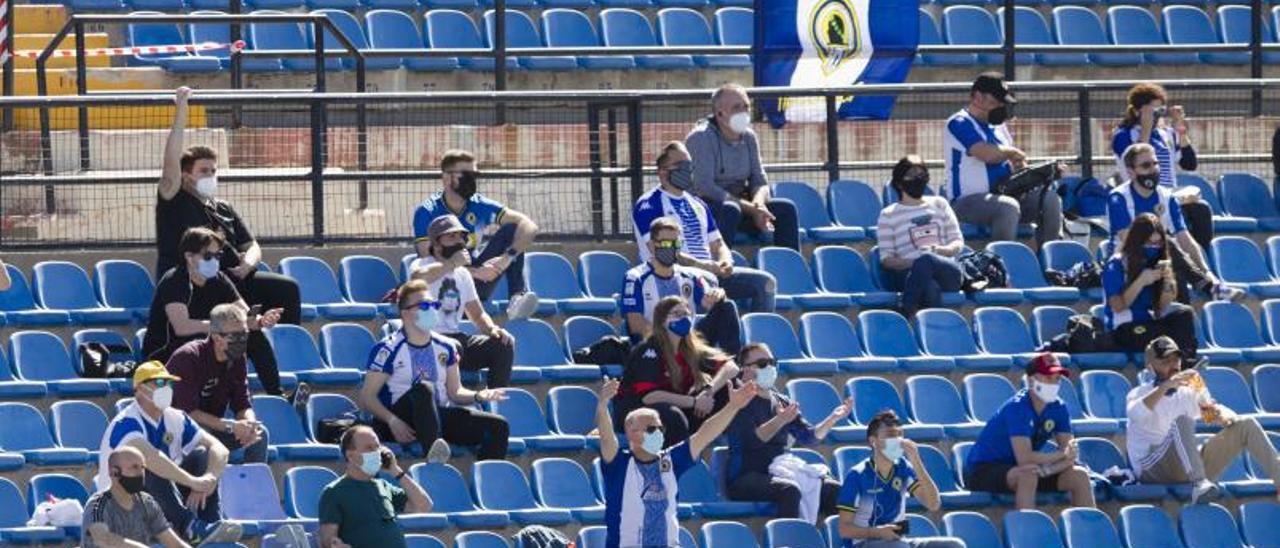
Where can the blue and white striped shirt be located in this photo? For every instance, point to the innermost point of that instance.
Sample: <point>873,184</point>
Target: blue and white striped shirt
<point>697,226</point>
<point>966,174</point>
<point>1163,138</point>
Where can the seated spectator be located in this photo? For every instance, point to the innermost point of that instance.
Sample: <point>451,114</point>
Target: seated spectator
<point>979,153</point>
<point>661,277</point>
<point>360,508</point>
<point>1007,457</point>
<point>701,245</point>
<point>215,377</point>
<point>640,480</point>
<point>675,373</point>
<point>1161,437</point>
<point>1143,193</point>
<point>918,238</point>
<point>1140,288</point>
<point>449,282</point>
<point>873,496</point>
<point>760,467</point>
<point>414,391</point>
<point>124,514</point>
<point>497,236</point>
<point>185,462</point>
<point>729,175</point>
<point>187,294</point>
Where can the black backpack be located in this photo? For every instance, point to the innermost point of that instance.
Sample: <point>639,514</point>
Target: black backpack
<point>103,361</point>
<point>981,270</point>
<point>1085,334</point>
<point>538,536</point>
<point>1082,275</point>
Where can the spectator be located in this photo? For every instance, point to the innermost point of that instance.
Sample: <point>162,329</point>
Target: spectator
<point>640,481</point>
<point>187,294</point>
<point>918,238</point>
<point>660,276</point>
<point>1161,437</point>
<point>1140,286</point>
<point>449,282</point>
<point>979,153</point>
<point>873,497</point>
<point>1147,120</point>
<point>1007,457</point>
<point>185,462</point>
<point>760,468</point>
<point>216,378</point>
<point>125,515</point>
<point>701,244</point>
<point>675,373</point>
<point>414,391</point>
<point>186,200</point>
<point>360,508</point>
<point>498,236</point>
<point>1142,193</point>
<point>728,173</point>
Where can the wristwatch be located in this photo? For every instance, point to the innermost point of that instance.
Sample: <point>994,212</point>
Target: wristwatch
<point>401,475</point>
<point>512,252</point>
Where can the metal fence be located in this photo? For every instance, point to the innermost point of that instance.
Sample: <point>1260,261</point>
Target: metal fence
<point>299,168</point>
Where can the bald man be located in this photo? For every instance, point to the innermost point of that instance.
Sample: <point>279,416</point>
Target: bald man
<point>125,515</point>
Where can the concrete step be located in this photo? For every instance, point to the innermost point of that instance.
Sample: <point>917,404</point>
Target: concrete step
<point>37,42</point>
<point>62,81</point>
<point>38,18</point>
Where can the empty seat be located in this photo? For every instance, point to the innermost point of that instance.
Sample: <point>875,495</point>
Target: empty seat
<point>272,36</point>
<point>934,400</point>
<point>12,388</point>
<point>1132,25</point>
<point>27,433</point>
<point>538,347</point>
<point>346,345</point>
<point>944,477</point>
<point>393,29</point>
<point>817,399</point>
<point>944,332</point>
<point>699,489</point>
<point>1100,454</point>
<point>853,203</point>
<point>814,222</point>
<point>319,289</point>
<point>1231,325</point>
<point>791,532</point>
<point>288,437</point>
<point>601,273</point>
<point>1105,394</point>
<point>1222,221</point>
<point>13,519</point>
<point>972,26</point>
<point>571,410</point>
<point>1234,27</point>
<point>1082,424</point>
<point>1247,195</point>
<point>1049,321</point>
<point>527,423</point>
<point>19,305</point>
<point>563,484</point>
<point>734,26</point>
<point>124,284</point>
<point>985,393</point>
<point>1146,526</point>
<point>1208,525</point>
<point>1030,29</point>
<point>843,271</point>
<point>452,29</point>
<point>886,334</point>
<point>1239,262</point>
<point>302,488</point>
<point>552,278</point>
<point>1002,331</point>
<point>297,353</point>
<point>687,27</point>
<point>625,28</point>
<point>62,285</point>
<point>727,534</point>
<point>872,395</point>
<point>566,28</point>
<point>1030,529</point>
<point>971,527</point>
<point>522,34</point>
<point>41,356</point>
<point>930,36</point>
<point>78,425</point>
<point>220,33</point>
<point>248,493</point>
<point>1266,387</point>
<point>830,335</point>
<point>366,278</point>
<point>1230,389</point>
<point>795,281</point>
<point>501,485</point>
<point>1258,522</point>
<point>775,331</point>
<point>450,494</point>
<point>1025,273</point>
<point>165,34</point>
<point>1190,25</point>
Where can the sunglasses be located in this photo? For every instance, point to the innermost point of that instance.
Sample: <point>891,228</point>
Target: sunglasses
<point>667,244</point>
<point>424,305</point>
<point>1146,165</point>
<point>763,363</point>
<point>655,428</point>
<point>161,383</point>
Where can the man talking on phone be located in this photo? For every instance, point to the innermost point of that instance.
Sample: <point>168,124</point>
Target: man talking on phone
<point>359,509</point>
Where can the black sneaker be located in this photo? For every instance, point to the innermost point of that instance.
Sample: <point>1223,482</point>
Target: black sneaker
<point>300,397</point>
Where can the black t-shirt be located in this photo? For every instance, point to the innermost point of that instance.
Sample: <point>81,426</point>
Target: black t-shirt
<point>186,210</point>
<point>176,287</point>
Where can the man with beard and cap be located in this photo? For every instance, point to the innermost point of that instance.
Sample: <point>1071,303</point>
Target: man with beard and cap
<point>918,237</point>
<point>497,235</point>
<point>125,515</point>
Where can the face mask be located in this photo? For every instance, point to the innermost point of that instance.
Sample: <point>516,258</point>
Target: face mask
<point>1048,393</point>
<point>237,345</point>
<point>652,442</point>
<point>1147,180</point>
<point>371,462</point>
<point>666,255</point>
<point>1152,251</point>
<point>208,268</point>
<point>206,186</point>
<point>162,398</point>
<point>740,122</point>
<point>427,319</point>
<point>681,327</point>
<point>133,484</point>
<point>892,449</point>
<point>914,187</point>
<point>766,377</point>
<point>466,185</point>
<point>998,115</point>
<point>449,251</point>
<point>681,176</point>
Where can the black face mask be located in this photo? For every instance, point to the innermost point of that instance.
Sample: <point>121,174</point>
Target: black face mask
<point>133,484</point>
<point>1147,180</point>
<point>449,251</point>
<point>466,185</point>
<point>998,115</point>
<point>237,345</point>
<point>914,187</point>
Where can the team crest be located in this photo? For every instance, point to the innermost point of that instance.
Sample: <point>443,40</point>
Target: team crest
<point>897,484</point>
<point>168,438</point>
<point>1160,209</point>
<point>1140,329</point>
<point>382,355</point>
<point>665,465</point>
<point>834,32</point>
<point>443,358</point>
<point>1048,425</point>
<point>471,218</point>
<point>687,290</point>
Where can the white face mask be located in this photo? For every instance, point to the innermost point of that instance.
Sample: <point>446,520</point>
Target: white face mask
<point>740,122</point>
<point>206,186</point>
<point>162,398</point>
<point>652,443</point>
<point>766,377</point>
<point>892,449</point>
<point>1047,393</point>
<point>371,462</point>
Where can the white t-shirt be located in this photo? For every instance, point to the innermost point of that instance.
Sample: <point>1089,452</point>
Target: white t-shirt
<point>1150,431</point>
<point>453,290</point>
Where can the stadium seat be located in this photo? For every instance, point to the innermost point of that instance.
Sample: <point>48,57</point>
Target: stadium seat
<point>815,224</point>
<point>1273,254</point>
<point>817,398</point>
<point>248,495</point>
<point>872,395</point>
<point>1132,25</point>
<point>19,305</point>
<point>934,400</point>
<point>791,532</point>
<point>1238,262</point>
<point>1049,321</point>
<point>1062,255</point>
<point>522,34</point>
<point>973,528</point>
<point>698,488</point>
<point>393,29</point>
<point>1234,28</point>
<point>368,279</point>
<point>406,5</point>
<point>571,410</point>
<point>1025,273</point>
<point>501,486</point>
<point>1146,526</point>
<point>1231,325</point>
<point>972,26</point>
<point>795,281</point>
<point>733,26</point>
<point>320,291</point>
<point>1030,29</point>
<point>78,425</point>
<point>450,494</point>
<point>1230,389</point>
<point>540,355</point>
<point>626,28</point>
<point>62,285</point>
<point>1002,331</point>
<point>1247,195</point>
<point>12,388</point>
<point>1258,521</point>
<point>124,284</point>
<point>944,332</point>
<point>452,29</point>
<point>302,488</point>
<point>1105,394</point>
<point>421,541</point>
<point>843,271</point>
<point>345,345</point>
<point>830,335</point>
<point>1081,423</point>
<point>324,406</point>
<point>592,537</point>
<point>984,393</point>
<point>944,477</point>
<point>885,333</point>
<point>563,484</point>
<point>1099,455</point>
<point>1208,525</point>
<point>219,33</point>
<point>853,203</point>
<point>1088,528</point>
<point>1239,481</point>
<point>13,519</point>
<point>601,273</point>
<point>1216,355</point>
<point>528,424</point>
<point>41,356</point>
<point>567,28</point>
<point>1190,25</point>
<point>552,278</point>
<point>272,36</point>
<point>297,353</point>
<point>1222,222</point>
<point>949,298</point>
<point>1266,387</point>
<point>929,36</point>
<point>686,27</point>
<point>1030,529</point>
<point>117,346</point>
<point>480,539</point>
<point>581,332</point>
<point>467,4</point>
<point>776,331</point>
<point>288,437</point>
<point>727,534</point>
<point>42,487</point>
<point>27,433</point>
<point>164,34</point>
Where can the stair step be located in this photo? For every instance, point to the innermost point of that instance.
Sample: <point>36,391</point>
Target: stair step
<point>37,42</point>
<point>38,18</point>
<point>63,82</point>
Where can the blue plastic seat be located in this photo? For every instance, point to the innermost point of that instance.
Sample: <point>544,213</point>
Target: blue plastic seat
<point>930,36</point>
<point>248,495</point>
<point>1208,525</point>
<point>319,289</point>
<point>271,36</point>
<point>1105,394</point>
<point>124,284</point>
<point>593,536</point>
<point>302,488</point>
<point>698,488</point>
<point>12,388</point>
<point>843,271</point>
<point>1049,321</point>
<point>1146,526</point>
<point>973,528</point>
<point>812,212</point>
<point>626,28</point>
<point>78,425</point>
<point>872,395</point>
<point>1266,387</point>
<point>953,496</point>
<point>727,534</point>
<point>1099,454</point>
<point>972,26</point>
<point>297,354</point>
<point>1222,221</point>
<point>1062,255</point>
<point>1025,273</point>
<point>600,273</point>
<point>563,484</point>
<point>346,345</point>
<point>1132,25</point>
<point>853,203</point>
<point>1247,195</point>
<point>407,5</point>
<point>1030,529</point>
<point>934,400</point>
<point>776,331</point>
<point>13,519</point>
<point>220,33</point>
<point>1258,521</point>
<point>450,494</point>
<point>452,29</point>
<point>367,279</point>
<point>1230,389</point>
<point>885,333</point>
<point>571,410</point>
<point>288,437</point>
<point>567,28</point>
<point>1234,28</point>
<point>552,278</point>
<point>539,353</point>
<point>817,398</point>
<point>1231,325</point>
<point>847,457</point>
<point>791,532</point>
<point>273,4</point>
<point>582,331</point>
<point>944,332</point>
<point>734,26</point>
<point>522,34</point>
<point>19,305</point>
<point>1190,25</point>
<point>393,29</point>
<point>26,433</point>
<point>796,281</point>
<point>830,335</point>
<point>62,285</point>
<point>480,539</point>
<point>164,34</point>
<point>1031,29</point>
<point>60,486</point>
<point>686,27</point>
<point>985,393</point>
<point>41,356</point>
<point>501,486</point>
<point>117,346</point>
<point>1002,331</point>
<point>1238,262</point>
<point>528,424</point>
<point>136,6</point>
<point>94,5</point>
<point>1082,424</point>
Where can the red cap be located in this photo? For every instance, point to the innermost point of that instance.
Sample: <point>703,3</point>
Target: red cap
<point>1047,364</point>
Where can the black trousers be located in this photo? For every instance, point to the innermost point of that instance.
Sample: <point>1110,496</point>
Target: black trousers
<point>457,425</point>
<point>172,497</point>
<point>678,422</point>
<point>1199,219</point>
<point>1188,275</point>
<point>785,494</point>
<point>272,290</point>
<point>720,327</point>
<point>1178,324</point>
<point>496,246</point>
<point>481,351</point>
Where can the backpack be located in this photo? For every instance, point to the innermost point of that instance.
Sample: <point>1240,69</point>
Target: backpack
<point>1082,275</point>
<point>1085,334</point>
<point>330,430</point>
<point>538,536</point>
<point>609,350</point>
<point>103,361</point>
<point>1084,197</point>
<point>981,270</point>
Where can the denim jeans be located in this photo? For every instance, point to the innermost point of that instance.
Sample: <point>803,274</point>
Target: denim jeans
<point>720,327</point>
<point>173,498</point>
<point>756,287</point>
<point>495,247</point>
<point>252,453</point>
<point>786,227</point>
<point>922,285</point>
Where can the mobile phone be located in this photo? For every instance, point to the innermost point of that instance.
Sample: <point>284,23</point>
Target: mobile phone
<point>255,310</point>
<point>386,457</point>
<point>904,527</point>
<point>1165,263</point>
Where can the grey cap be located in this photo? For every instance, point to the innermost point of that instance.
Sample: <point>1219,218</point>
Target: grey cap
<point>442,225</point>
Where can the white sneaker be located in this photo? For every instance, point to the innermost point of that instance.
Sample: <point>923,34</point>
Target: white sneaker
<point>1227,293</point>
<point>522,306</point>
<point>439,452</point>
<point>1204,492</point>
<point>291,536</point>
<point>224,531</point>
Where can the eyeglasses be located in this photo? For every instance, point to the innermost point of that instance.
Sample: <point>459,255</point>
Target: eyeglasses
<point>1146,165</point>
<point>655,428</point>
<point>424,305</point>
<point>763,362</point>
<point>161,383</point>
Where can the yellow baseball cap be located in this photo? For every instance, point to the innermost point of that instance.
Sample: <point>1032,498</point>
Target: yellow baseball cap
<point>151,371</point>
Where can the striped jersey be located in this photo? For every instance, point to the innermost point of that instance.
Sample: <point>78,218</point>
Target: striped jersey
<point>1124,204</point>
<point>1163,138</point>
<point>644,288</point>
<point>640,497</point>
<point>967,174</point>
<point>903,230</point>
<point>697,226</point>
<point>409,365</point>
<point>175,435</point>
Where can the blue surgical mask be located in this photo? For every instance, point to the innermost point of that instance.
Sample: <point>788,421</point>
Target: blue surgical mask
<point>371,462</point>
<point>1152,251</point>
<point>427,319</point>
<point>208,268</point>
<point>680,327</point>
<point>892,449</point>
<point>653,442</point>
<point>766,377</point>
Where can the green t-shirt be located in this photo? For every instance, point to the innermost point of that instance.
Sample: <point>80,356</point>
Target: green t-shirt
<point>364,511</point>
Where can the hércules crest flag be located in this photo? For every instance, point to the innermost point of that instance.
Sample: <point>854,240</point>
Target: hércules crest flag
<point>832,43</point>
